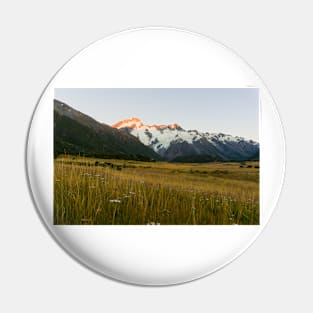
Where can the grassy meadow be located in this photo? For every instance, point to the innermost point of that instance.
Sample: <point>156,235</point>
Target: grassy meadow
<point>117,192</point>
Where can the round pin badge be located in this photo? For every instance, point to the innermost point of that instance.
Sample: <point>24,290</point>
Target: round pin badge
<point>155,156</point>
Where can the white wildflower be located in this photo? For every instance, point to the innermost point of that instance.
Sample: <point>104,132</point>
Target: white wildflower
<point>115,201</point>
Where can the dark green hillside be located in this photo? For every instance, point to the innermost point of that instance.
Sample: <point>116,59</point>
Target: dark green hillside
<point>77,133</point>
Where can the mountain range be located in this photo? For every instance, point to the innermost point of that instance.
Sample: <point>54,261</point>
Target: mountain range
<point>75,132</point>
<point>173,143</point>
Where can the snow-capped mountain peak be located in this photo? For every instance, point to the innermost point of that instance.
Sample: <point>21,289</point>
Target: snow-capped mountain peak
<point>136,123</point>
<point>172,141</point>
<point>133,122</point>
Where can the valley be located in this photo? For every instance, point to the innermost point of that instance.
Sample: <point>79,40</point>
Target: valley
<point>126,192</point>
<point>136,174</point>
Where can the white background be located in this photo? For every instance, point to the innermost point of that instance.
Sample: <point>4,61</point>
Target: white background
<point>37,37</point>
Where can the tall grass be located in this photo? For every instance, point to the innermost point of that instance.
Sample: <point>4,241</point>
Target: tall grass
<point>88,191</point>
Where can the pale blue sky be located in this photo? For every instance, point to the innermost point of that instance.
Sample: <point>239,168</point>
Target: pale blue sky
<point>232,111</point>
